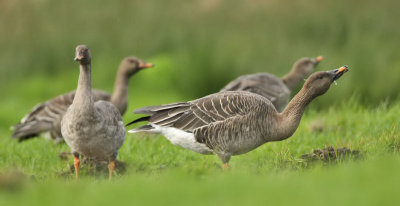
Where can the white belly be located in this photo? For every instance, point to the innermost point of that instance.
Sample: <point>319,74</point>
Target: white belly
<point>182,138</point>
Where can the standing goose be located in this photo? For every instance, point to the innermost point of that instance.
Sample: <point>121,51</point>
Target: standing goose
<point>46,117</point>
<point>275,89</point>
<point>232,123</point>
<point>92,129</point>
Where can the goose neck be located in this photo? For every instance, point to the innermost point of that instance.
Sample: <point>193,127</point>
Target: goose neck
<point>289,119</point>
<point>293,78</point>
<point>83,97</point>
<point>120,94</point>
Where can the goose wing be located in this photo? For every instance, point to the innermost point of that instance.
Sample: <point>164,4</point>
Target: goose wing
<point>43,117</point>
<point>189,116</point>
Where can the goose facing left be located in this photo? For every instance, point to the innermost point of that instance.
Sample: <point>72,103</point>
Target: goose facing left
<point>46,117</point>
<point>92,129</point>
<point>234,122</point>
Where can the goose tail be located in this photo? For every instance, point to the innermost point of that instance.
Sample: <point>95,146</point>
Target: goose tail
<point>141,119</point>
<point>28,130</point>
<point>144,128</point>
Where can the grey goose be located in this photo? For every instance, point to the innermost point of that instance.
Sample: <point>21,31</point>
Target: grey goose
<point>92,129</point>
<point>46,117</point>
<point>233,122</point>
<point>277,90</point>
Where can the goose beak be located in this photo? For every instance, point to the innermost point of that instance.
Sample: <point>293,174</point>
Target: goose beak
<point>143,65</point>
<point>317,60</point>
<point>339,72</point>
<point>78,56</point>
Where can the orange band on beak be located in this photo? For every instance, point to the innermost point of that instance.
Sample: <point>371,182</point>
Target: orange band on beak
<point>342,69</point>
<point>320,58</point>
<point>78,58</point>
<point>146,65</point>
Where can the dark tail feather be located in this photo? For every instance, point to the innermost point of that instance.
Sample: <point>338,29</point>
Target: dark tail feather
<point>23,132</point>
<point>141,119</point>
<point>146,127</point>
<point>28,130</point>
<point>24,137</point>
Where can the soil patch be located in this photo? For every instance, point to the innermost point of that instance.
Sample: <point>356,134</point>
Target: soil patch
<point>12,180</point>
<point>330,154</point>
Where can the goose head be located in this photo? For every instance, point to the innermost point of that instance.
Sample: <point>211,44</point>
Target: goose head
<point>83,55</point>
<point>305,66</point>
<point>319,82</point>
<point>131,65</point>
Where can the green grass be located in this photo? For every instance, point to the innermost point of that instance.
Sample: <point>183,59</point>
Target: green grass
<point>365,183</point>
<point>161,173</point>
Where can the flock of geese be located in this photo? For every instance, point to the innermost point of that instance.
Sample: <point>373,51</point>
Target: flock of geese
<point>245,114</point>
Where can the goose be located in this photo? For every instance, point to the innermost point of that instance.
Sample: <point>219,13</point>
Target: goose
<point>233,122</point>
<point>277,90</point>
<point>92,129</point>
<point>46,117</point>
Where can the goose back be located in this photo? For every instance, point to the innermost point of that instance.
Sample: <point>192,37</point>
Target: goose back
<point>264,84</point>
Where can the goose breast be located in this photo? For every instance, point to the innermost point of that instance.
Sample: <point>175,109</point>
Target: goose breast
<point>98,135</point>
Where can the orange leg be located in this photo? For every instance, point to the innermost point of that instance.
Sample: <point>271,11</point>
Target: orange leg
<point>111,166</point>
<point>76,164</point>
<point>224,157</point>
<point>225,166</point>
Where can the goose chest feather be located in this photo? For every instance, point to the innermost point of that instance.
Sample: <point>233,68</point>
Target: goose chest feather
<point>96,135</point>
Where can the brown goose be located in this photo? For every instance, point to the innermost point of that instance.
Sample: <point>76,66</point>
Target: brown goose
<point>46,117</point>
<point>232,123</point>
<point>92,129</point>
<point>273,88</point>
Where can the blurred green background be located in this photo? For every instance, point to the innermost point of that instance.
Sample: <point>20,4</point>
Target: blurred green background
<point>197,46</point>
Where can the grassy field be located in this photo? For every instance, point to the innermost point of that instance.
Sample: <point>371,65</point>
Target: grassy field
<point>160,173</point>
<point>198,46</point>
